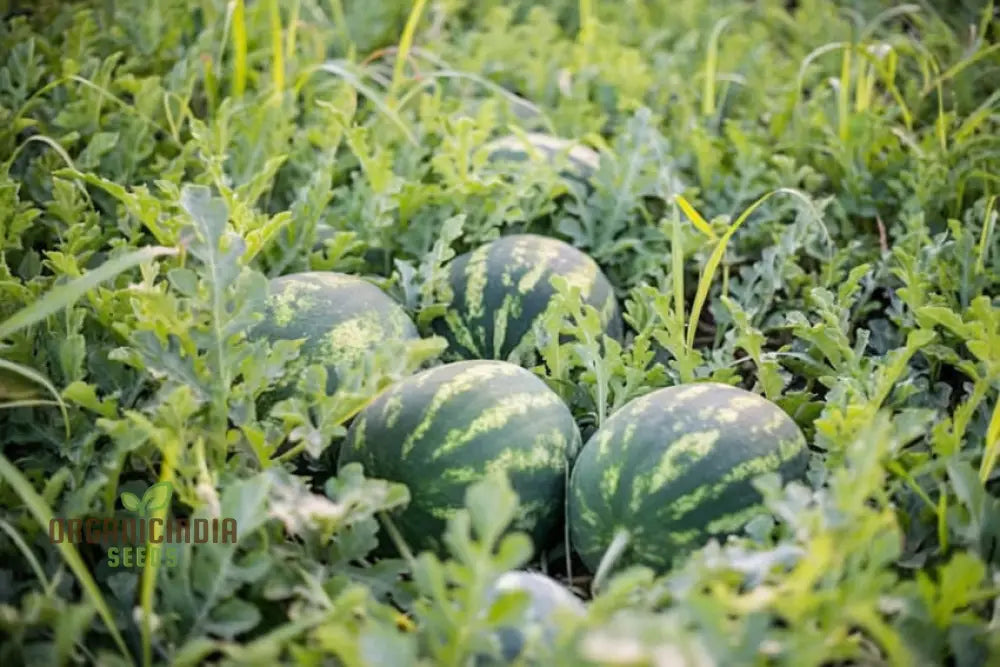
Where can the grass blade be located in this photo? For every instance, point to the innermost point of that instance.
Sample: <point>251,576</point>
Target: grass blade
<point>405,44</point>
<point>696,218</point>
<point>707,275</point>
<point>334,67</point>
<point>958,67</point>
<point>31,403</point>
<point>984,239</point>
<point>43,515</point>
<point>428,79</point>
<point>29,555</point>
<point>992,451</point>
<point>677,269</point>
<point>36,377</point>
<point>239,83</point>
<point>712,64</point>
<point>844,96</point>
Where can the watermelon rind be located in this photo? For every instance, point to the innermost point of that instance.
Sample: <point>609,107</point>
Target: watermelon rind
<point>580,161</point>
<point>495,294</point>
<point>447,427</point>
<point>675,468</point>
<point>339,317</point>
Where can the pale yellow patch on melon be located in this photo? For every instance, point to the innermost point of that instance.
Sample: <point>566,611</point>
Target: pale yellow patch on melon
<point>494,418</point>
<point>359,433</point>
<point>476,278</point>
<point>789,448</point>
<point>609,481</point>
<point>745,402</point>
<point>530,279</point>
<point>727,415</point>
<point>692,391</point>
<point>463,381</point>
<point>392,410</point>
<point>689,448</point>
<point>461,332</point>
<point>442,513</point>
<point>337,279</point>
<point>733,522</point>
<point>282,312</point>
<point>752,468</point>
<point>739,473</point>
<point>775,422</point>
<point>640,405</point>
<point>534,250</point>
<point>516,460</point>
<point>683,452</point>
<point>292,299</point>
<point>582,277</point>
<point>346,341</point>
<point>603,443</point>
<point>500,320</point>
<point>684,538</point>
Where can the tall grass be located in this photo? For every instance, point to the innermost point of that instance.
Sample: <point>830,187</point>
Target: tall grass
<point>405,44</point>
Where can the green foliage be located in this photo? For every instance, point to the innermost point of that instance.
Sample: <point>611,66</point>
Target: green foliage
<point>160,161</point>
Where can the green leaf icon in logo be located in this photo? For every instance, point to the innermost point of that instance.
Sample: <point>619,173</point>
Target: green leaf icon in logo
<point>156,497</point>
<point>130,501</point>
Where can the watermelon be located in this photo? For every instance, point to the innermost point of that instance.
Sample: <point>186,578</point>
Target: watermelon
<point>495,294</point>
<point>580,161</point>
<point>338,316</point>
<point>674,468</point>
<point>447,427</point>
<point>546,599</point>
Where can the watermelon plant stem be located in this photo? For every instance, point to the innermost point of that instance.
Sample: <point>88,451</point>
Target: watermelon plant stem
<point>397,539</point>
<point>169,452</point>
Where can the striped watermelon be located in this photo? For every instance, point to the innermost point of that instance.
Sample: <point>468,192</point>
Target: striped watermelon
<point>339,316</point>
<point>447,427</point>
<point>497,292</point>
<point>547,598</point>
<point>580,161</point>
<point>675,468</point>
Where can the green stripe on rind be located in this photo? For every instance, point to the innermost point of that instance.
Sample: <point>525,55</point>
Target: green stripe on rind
<point>444,428</point>
<point>676,467</point>
<point>497,292</point>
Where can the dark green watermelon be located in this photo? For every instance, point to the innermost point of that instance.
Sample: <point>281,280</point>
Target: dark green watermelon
<point>579,161</point>
<point>495,294</point>
<point>675,468</point>
<point>339,317</point>
<point>443,429</point>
